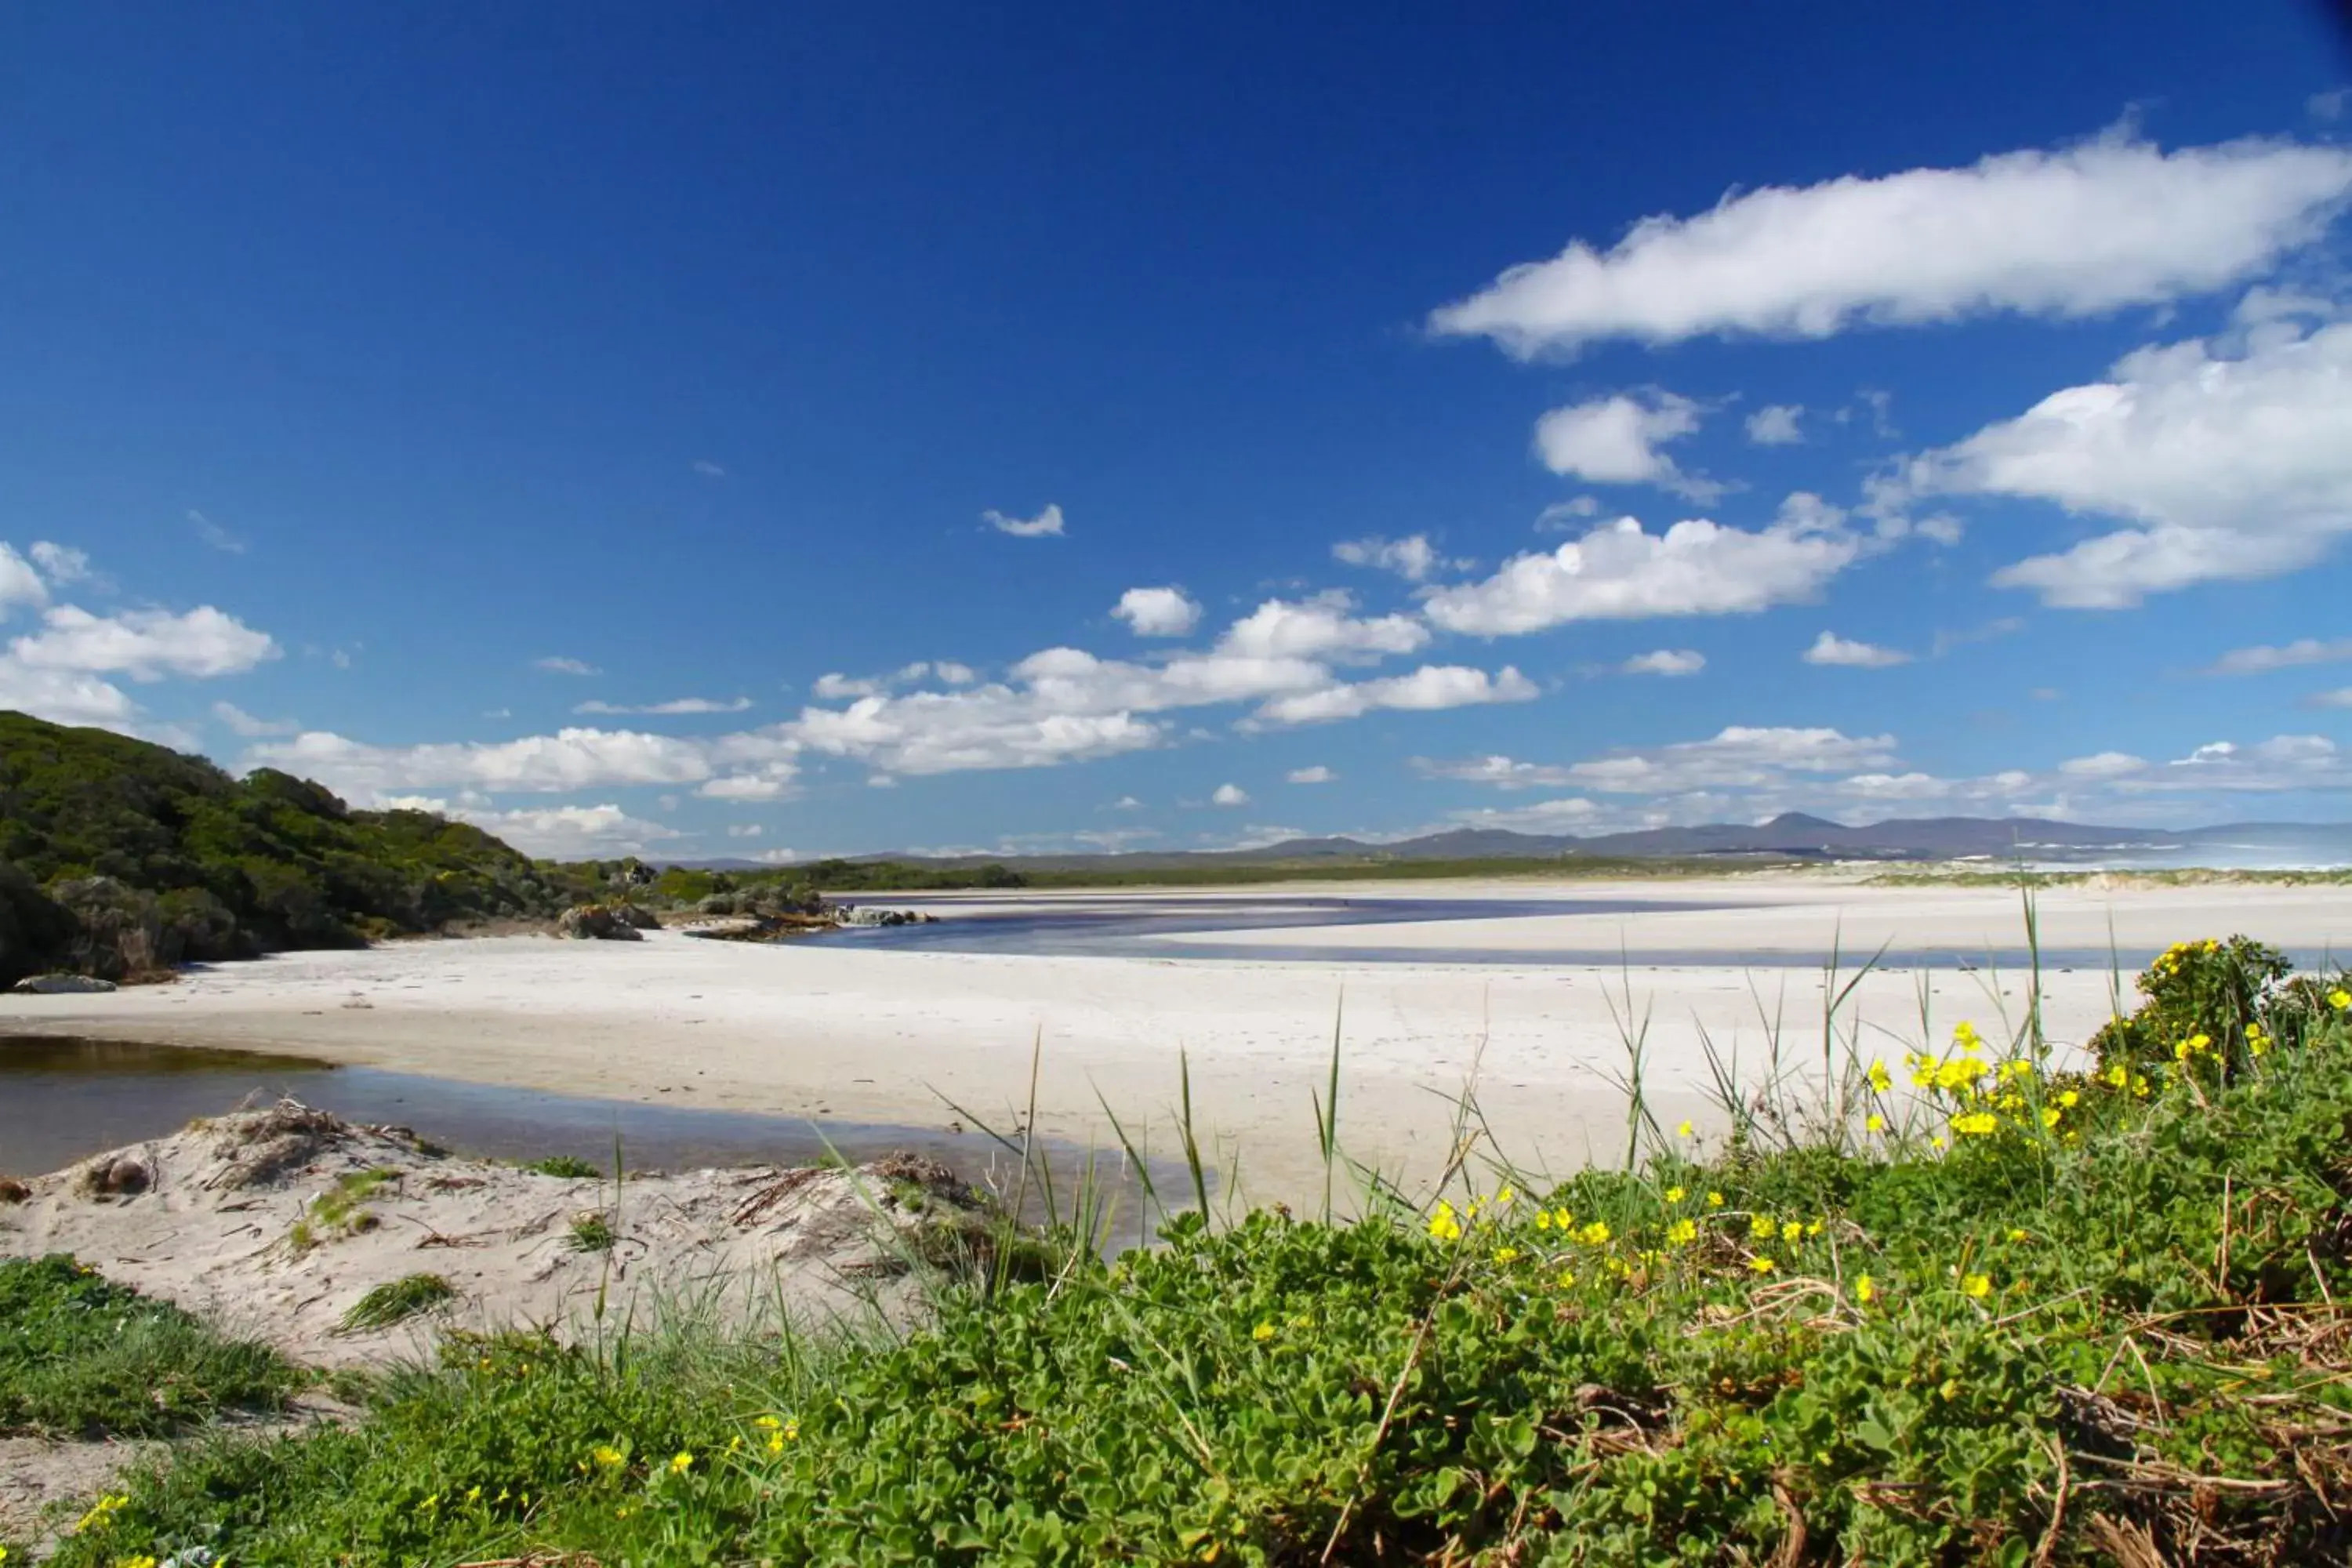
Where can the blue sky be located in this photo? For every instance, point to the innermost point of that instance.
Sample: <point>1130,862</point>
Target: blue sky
<point>779,431</point>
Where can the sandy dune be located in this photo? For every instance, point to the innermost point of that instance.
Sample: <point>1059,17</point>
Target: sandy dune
<point>821,1030</point>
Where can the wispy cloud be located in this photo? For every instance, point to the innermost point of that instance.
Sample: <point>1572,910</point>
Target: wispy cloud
<point>2302,651</point>
<point>245,724</point>
<point>675,705</point>
<point>1044,525</point>
<point>709,470</point>
<point>213,534</point>
<point>558,664</point>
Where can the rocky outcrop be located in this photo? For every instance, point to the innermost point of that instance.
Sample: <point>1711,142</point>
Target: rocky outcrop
<point>855,915</point>
<point>597,922</point>
<point>60,985</point>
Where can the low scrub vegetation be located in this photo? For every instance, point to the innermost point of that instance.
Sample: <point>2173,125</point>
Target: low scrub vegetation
<point>1958,1305</point>
<point>119,857</point>
<point>80,1357</point>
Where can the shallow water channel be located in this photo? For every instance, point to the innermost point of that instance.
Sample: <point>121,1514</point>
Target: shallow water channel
<point>64,1098</point>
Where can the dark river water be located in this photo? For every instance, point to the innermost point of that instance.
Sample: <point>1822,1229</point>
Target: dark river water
<point>1131,928</point>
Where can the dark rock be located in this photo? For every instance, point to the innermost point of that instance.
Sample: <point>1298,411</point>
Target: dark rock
<point>60,985</point>
<point>595,923</point>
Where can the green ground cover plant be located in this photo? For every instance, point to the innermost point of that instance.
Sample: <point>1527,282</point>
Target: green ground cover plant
<point>1957,1305</point>
<point>80,1357</point>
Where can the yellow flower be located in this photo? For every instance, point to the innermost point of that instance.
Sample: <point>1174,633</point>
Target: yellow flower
<point>1937,1142</point>
<point>766,1422</point>
<point>1566,1280</point>
<point>2117,1076</point>
<point>1760,1226</point>
<point>607,1456</point>
<point>1761,1265</point>
<point>1676,1194</point>
<point>1790,1232</point>
<point>1543,1219</point>
<point>1864,1289</point>
<point>775,1442</point>
<point>1506,1195</point>
<point>1685,1130</point>
<point>1444,1223</point>
<point>1879,1078</point>
<point>142,1561</point>
<point>1977,1123</point>
<point>1873,1123</point>
<point>1816,1228</point>
<point>1714,1200</point>
<point>1951,1389</point>
<point>1263,1332</point>
<point>1564,1220</point>
<point>2017,1235</point>
<point>2050,1114</point>
<point>1506,1254</point>
<point>1595,1235</point>
<point>2340,999</point>
<point>101,1512</point>
<point>1975,1286</point>
<point>2069,1098</point>
<point>681,1462</point>
<point>1966,1038</point>
<point>1681,1233</point>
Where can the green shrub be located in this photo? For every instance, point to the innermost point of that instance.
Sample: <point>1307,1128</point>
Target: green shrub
<point>82,1356</point>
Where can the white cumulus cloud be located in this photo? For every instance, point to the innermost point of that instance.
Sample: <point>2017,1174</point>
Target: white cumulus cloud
<point>2222,465</point>
<point>568,759</point>
<point>144,644</point>
<point>1619,572</point>
<point>1431,687</point>
<point>1775,425</point>
<point>1229,795</point>
<point>1413,558</point>
<point>2079,231</point>
<point>1616,441</point>
<point>1845,653</point>
<point>1158,612</point>
<point>1665,661</point>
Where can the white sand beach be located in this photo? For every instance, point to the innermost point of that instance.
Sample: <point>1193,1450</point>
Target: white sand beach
<point>826,1028</point>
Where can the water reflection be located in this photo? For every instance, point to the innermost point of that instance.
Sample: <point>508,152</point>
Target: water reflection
<point>62,1098</point>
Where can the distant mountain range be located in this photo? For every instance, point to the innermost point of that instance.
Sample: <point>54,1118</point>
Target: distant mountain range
<point>1793,836</point>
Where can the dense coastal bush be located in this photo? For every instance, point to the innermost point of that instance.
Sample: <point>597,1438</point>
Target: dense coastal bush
<point>1980,1311</point>
<point>117,855</point>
